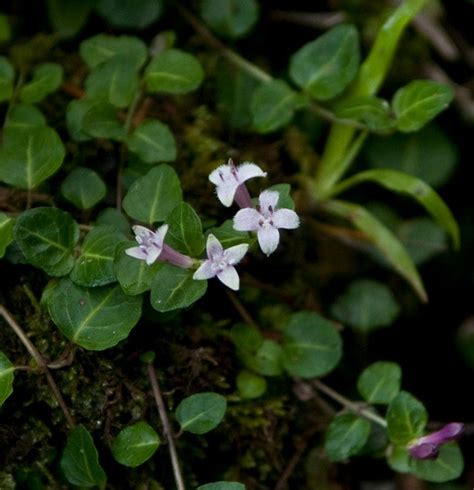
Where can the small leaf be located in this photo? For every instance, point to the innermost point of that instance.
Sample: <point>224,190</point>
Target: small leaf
<point>75,112</point>
<point>246,338</point>
<point>80,460</point>
<point>113,217</point>
<point>99,120</point>
<point>46,79</point>
<point>47,237</point>
<point>67,17</point>
<point>266,360</point>
<point>326,66</point>
<point>6,232</point>
<point>7,77</point>
<point>250,385</point>
<point>380,382</point>
<point>101,48</point>
<point>135,444</point>
<point>136,14</point>
<point>153,142</point>
<point>28,156</point>
<point>284,201</point>
<point>398,458</point>
<point>406,418</point>
<point>95,266</point>
<point>174,288</point>
<point>222,485</point>
<point>447,466</point>
<point>175,72</point>
<point>346,436</point>
<point>185,230</point>
<point>382,238</point>
<point>152,197</point>
<point>23,115</point>
<point>84,188</point>
<point>419,102</point>
<point>229,237</point>
<point>311,345</point>
<point>230,18</point>
<point>201,413</point>
<point>273,106</point>
<point>6,378</point>
<point>368,110</point>
<point>95,319</point>
<point>366,305</point>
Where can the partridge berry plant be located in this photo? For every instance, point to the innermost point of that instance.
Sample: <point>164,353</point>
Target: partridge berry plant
<point>124,130</point>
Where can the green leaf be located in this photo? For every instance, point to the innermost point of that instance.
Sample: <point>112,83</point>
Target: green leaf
<point>250,385</point>
<point>84,188</point>
<point>366,305</point>
<point>419,102</point>
<point>134,276</point>
<point>67,17</point>
<point>311,345</point>
<point>201,413</point>
<point>152,197</point>
<point>175,72</point>
<point>229,237</point>
<point>7,77</point>
<point>5,31</point>
<point>113,217</point>
<point>47,78</point>
<point>174,288</point>
<point>75,112</point>
<point>230,18</point>
<point>95,319</point>
<point>28,156</point>
<point>326,66</point>
<point>222,485</point>
<point>23,115</point>
<point>447,466</point>
<point>346,436</point>
<point>6,232</point>
<point>47,237</point>
<point>246,338</point>
<point>284,201</point>
<point>113,82</point>
<point>153,142</point>
<point>406,418</point>
<point>98,119</point>
<point>135,444</point>
<point>413,187</point>
<point>398,458</point>
<point>6,378</point>
<point>369,110</point>
<point>382,238</point>
<point>185,230</point>
<point>95,266</point>
<point>80,460</point>
<point>273,106</point>
<point>428,154</point>
<point>101,48</point>
<point>136,14</point>
<point>266,360</point>
<point>380,382</point>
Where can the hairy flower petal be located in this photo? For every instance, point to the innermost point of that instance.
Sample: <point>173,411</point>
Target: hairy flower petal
<point>268,239</point>
<point>229,277</point>
<point>235,254</point>
<point>247,220</point>
<point>268,200</point>
<point>213,247</point>
<point>205,271</point>
<point>286,218</point>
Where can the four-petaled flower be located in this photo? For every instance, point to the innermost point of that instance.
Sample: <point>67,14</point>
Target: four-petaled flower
<point>150,244</point>
<point>427,447</point>
<point>229,181</point>
<point>266,220</point>
<point>221,262</point>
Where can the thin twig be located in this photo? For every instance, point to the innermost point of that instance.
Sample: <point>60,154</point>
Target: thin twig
<point>178,477</point>
<point>246,317</point>
<point>39,360</point>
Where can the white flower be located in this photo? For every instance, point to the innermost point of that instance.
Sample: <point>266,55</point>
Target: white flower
<point>228,178</point>
<point>150,243</point>
<point>221,262</point>
<point>266,220</point>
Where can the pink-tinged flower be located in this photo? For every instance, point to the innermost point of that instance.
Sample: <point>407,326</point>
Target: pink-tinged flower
<point>221,262</point>
<point>229,181</point>
<point>427,447</point>
<point>266,220</point>
<point>151,247</point>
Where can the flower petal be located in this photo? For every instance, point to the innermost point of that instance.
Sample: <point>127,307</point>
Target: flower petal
<point>159,235</point>
<point>220,174</point>
<point>286,218</point>
<point>235,254</point>
<point>213,247</point>
<point>137,253</point>
<point>226,191</point>
<point>248,170</point>
<point>153,253</point>
<point>424,451</point>
<point>205,271</point>
<point>229,277</point>
<point>142,234</point>
<point>449,432</point>
<point>268,239</point>
<point>268,199</point>
<point>247,220</point>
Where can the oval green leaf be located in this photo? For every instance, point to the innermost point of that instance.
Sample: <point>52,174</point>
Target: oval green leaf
<point>24,115</point>
<point>135,444</point>
<point>7,77</point>
<point>6,378</point>
<point>6,232</point>
<point>373,112</point>
<point>201,413</point>
<point>380,382</point>
<point>99,120</point>
<point>136,14</point>
<point>311,345</point>
<point>95,319</point>
<point>175,72</point>
<point>250,385</point>
<point>47,237</point>
<point>84,188</point>
<point>222,485</point>
<point>447,466</point>
<point>80,460</point>
<point>46,79</point>
<point>185,230</point>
